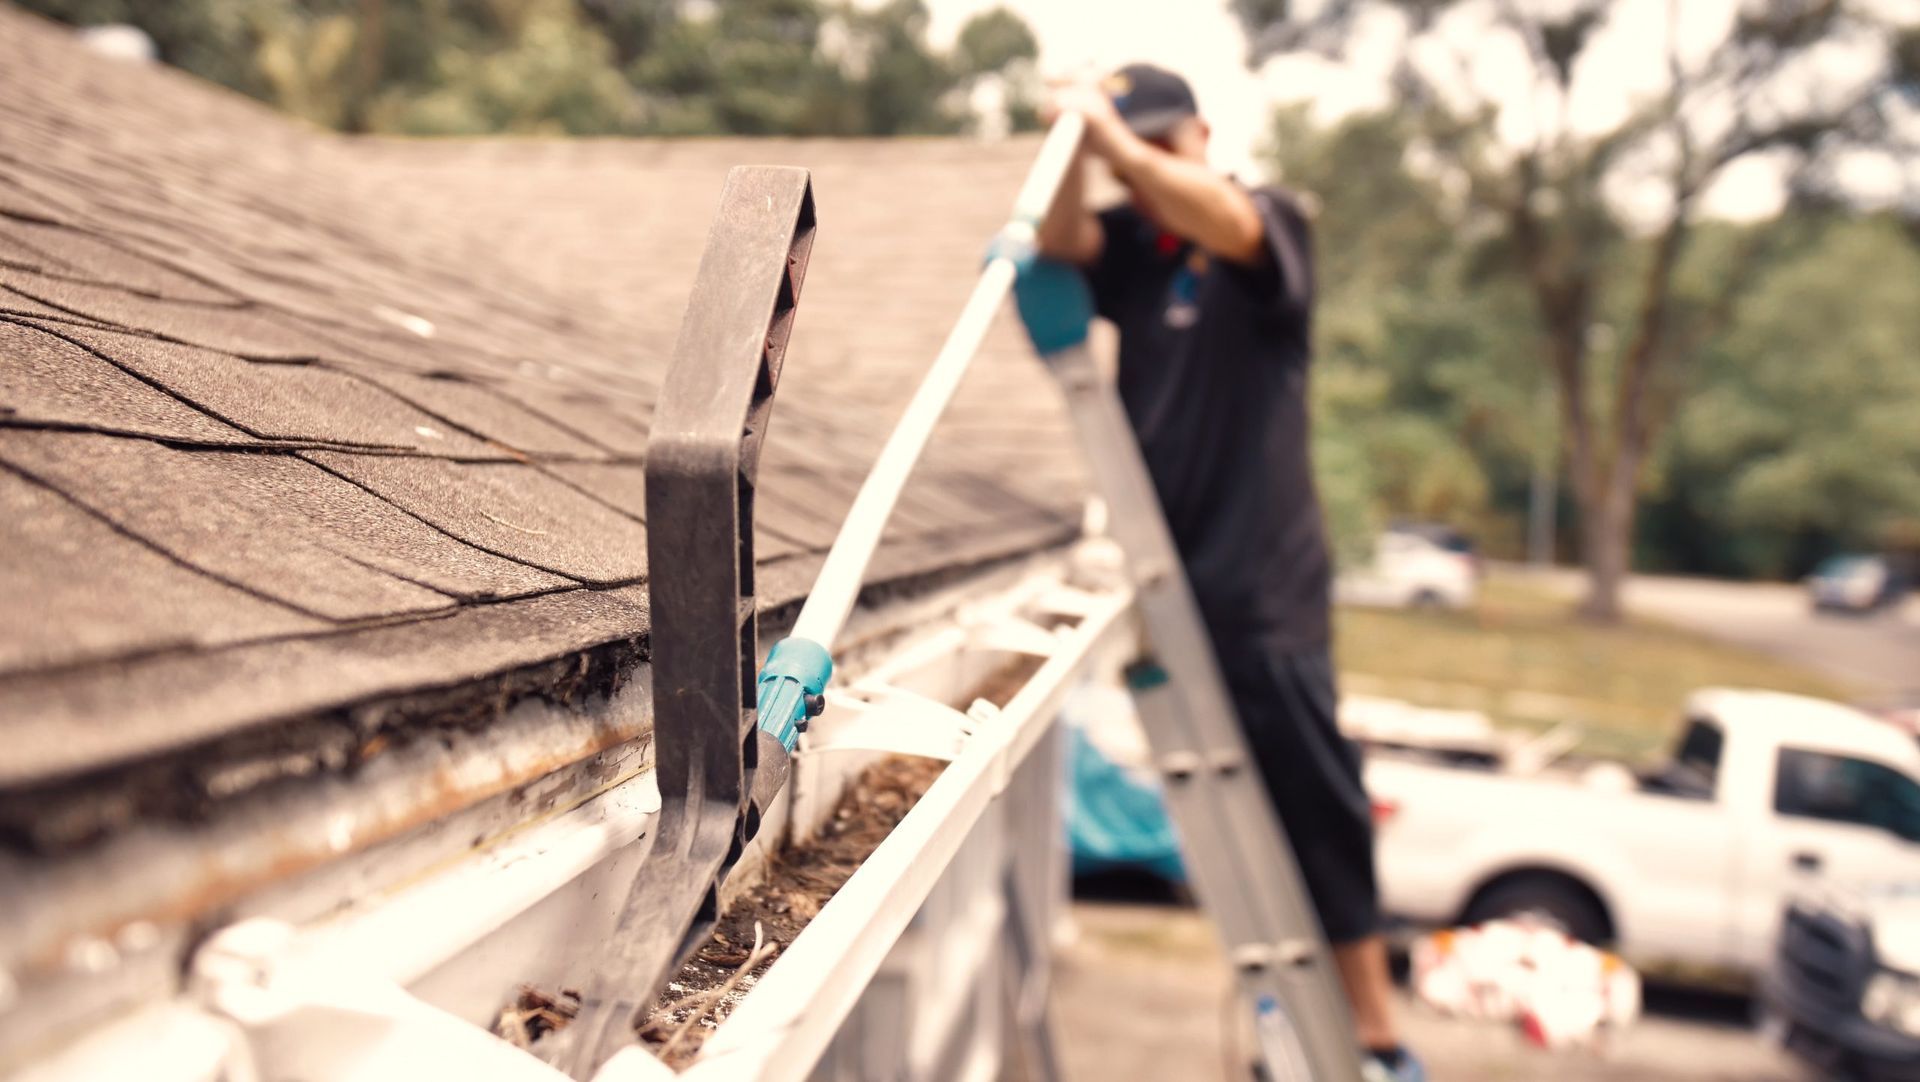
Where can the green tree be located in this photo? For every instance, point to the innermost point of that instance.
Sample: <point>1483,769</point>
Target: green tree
<point>1804,425</point>
<point>414,66</point>
<point>1422,373</point>
<point>798,67</point>
<point>214,39</point>
<point>894,84</point>
<point>1543,194</point>
<point>752,67</point>
<point>632,27</point>
<point>526,66</point>
<point>994,41</point>
<point>998,45</point>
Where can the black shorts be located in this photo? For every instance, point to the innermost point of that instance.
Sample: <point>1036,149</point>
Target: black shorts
<point>1286,700</point>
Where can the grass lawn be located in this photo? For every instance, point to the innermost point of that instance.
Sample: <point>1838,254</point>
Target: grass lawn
<point>1522,658</point>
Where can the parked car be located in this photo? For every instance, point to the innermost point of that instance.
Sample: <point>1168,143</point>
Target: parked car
<point>1410,570</point>
<point>1685,869</point>
<point>1845,986</point>
<point>1856,583</point>
<point>1447,537</point>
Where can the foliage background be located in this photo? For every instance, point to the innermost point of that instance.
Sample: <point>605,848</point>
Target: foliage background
<point>1797,430</point>
<point>591,67</point>
<point>1795,417</point>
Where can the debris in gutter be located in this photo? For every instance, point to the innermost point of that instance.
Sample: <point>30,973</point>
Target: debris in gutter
<point>797,882</point>
<point>758,925</point>
<point>189,785</point>
<point>762,952</point>
<point>534,1014</point>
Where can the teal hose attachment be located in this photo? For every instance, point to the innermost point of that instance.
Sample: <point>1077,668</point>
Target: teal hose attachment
<point>790,686</point>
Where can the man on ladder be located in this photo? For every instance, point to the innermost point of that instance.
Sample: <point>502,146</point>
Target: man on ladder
<point>1211,287</point>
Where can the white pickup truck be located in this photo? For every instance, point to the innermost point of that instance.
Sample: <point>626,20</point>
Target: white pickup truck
<point>1685,869</point>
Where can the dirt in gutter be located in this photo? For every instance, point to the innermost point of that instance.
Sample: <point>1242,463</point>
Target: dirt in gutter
<point>61,817</point>
<point>797,882</point>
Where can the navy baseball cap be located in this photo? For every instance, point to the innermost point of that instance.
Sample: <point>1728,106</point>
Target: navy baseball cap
<point>1153,101</point>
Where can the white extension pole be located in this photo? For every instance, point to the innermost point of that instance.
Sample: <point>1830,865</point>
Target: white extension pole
<point>838,584</point>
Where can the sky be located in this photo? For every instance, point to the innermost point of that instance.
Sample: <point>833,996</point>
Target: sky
<point>1202,40</point>
<point>1197,38</point>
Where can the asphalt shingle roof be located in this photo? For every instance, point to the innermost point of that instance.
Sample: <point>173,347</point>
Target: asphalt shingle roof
<point>291,422</point>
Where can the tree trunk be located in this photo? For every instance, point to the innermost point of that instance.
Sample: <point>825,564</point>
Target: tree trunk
<point>1604,479</point>
<point>1606,527</point>
<point>1609,506</point>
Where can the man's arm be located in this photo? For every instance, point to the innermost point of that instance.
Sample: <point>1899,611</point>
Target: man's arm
<point>1070,232</point>
<point>1184,196</point>
<point>1190,200</point>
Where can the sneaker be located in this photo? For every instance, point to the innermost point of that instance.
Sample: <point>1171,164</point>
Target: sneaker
<point>1401,1066</point>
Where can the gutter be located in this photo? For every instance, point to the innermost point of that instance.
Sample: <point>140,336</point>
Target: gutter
<point>402,981</point>
<point>782,1028</point>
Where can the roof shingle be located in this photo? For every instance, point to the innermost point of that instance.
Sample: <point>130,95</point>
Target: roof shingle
<point>394,397</point>
<point>132,601</point>
<point>47,380</point>
<point>507,508</point>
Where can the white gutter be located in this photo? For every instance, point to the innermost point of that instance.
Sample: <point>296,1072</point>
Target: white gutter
<point>781,1028</point>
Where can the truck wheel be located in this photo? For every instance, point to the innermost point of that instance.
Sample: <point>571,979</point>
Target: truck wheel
<point>1558,903</point>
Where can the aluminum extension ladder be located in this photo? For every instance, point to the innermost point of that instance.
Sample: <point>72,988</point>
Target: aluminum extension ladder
<point>1231,841</point>
<point>1243,869</point>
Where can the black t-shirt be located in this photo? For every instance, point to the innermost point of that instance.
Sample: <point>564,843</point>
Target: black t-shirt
<point>1213,371</point>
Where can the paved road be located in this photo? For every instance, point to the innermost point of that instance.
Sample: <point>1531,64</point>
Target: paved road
<point>1142,992</point>
<point>1878,654</point>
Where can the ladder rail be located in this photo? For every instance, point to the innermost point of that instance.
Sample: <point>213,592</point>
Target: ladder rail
<point>1243,868</point>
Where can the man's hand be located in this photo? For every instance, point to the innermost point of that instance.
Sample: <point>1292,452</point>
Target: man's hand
<point>1176,190</point>
<point>1069,233</point>
<point>1107,134</point>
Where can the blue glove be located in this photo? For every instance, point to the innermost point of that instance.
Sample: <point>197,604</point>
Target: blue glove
<point>1054,303</point>
<point>1052,297</point>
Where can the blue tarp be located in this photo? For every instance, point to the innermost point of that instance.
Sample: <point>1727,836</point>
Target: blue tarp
<point>1115,821</point>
